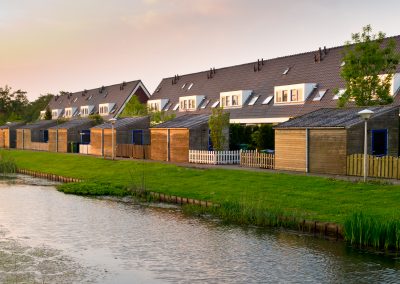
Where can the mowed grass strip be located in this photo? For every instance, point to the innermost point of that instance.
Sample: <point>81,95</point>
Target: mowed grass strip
<point>316,198</point>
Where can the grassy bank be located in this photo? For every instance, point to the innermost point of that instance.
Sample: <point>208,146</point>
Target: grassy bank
<point>256,193</point>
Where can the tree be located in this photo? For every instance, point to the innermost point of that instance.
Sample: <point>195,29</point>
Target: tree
<point>263,137</point>
<point>12,104</point>
<point>134,108</point>
<point>32,111</point>
<point>366,58</point>
<point>218,123</point>
<point>157,117</point>
<point>48,115</point>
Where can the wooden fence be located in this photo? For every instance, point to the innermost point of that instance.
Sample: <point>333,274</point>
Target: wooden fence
<point>133,151</point>
<point>214,157</point>
<point>256,159</point>
<point>379,167</point>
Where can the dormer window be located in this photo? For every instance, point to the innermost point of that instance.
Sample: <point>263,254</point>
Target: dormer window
<point>234,99</point>
<point>86,110</point>
<point>157,105</point>
<point>190,103</point>
<point>296,93</point>
<point>69,112</point>
<point>56,113</point>
<point>105,109</point>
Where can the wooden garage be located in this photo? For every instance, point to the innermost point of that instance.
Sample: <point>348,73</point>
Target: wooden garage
<point>171,140</point>
<point>8,134</point>
<point>71,132</point>
<point>129,130</point>
<point>320,141</point>
<point>34,136</point>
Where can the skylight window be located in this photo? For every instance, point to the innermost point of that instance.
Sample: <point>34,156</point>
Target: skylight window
<point>267,100</point>
<point>320,95</point>
<point>183,86</point>
<point>176,107</point>
<point>339,94</point>
<point>204,104</point>
<point>253,100</point>
<point>190,86</point>
<point>90,97</point>
<point>214,105</point>
<point>75,99</point>
<point>286,71</point>
<point>167,107</point>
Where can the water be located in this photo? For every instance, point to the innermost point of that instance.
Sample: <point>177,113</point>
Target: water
<point>50,237</point>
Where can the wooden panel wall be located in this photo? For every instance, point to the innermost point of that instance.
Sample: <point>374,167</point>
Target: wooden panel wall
<point>108,142</point>
<point>2,138</point>
<point>158,138</point>
<point>96,142</point>
<point>179,145</point>
<point>19,139</point>
<point>327,151</point>
<point>9,138</point>
<point>290,149</point>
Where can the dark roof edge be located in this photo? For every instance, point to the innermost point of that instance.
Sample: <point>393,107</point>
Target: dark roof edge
<point>384,111</point>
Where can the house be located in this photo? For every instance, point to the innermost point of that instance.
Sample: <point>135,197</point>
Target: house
<point>264,91</point>
<point>320,141</point>
<point>34,136</point>
<point>107,101</point>
<point>129,130</point>
<point>8,134</point>
<point>172,140</point>
<point>71,133</point>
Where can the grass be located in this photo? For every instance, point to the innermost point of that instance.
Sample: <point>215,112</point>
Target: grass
<point>7,163</point>
<point>314,198</point>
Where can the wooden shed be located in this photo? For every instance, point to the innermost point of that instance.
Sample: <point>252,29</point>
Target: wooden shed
<point>34,136</point>
<point>129,130</point>
<point>320,141</point>
<point>172,140</point>
<point>73,131</point>
<point>8,134</point>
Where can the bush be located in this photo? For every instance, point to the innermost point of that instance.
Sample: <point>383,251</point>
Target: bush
<point>93,189</point>
<point>7,163</point>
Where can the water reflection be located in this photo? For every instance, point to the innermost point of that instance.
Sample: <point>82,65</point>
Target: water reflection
<point>125,243</point>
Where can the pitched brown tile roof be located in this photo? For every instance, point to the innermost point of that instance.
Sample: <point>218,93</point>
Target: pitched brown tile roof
<point>302,69</point>
<point>117,94</point>
<point>334,117</point>
<point>185,121</point>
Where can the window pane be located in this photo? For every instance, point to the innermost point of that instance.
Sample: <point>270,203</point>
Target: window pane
<point>294,96</point>
<point>234,100</point>
<point>284,96</point>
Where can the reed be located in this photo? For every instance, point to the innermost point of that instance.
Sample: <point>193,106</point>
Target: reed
<point>7,163</point>
<point>366,231</point>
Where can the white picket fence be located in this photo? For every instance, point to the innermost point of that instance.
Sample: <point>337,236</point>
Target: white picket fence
<point>85,149</point>
<point>214,157</point>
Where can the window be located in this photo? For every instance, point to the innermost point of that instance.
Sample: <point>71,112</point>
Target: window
<point>235,100</point>
<point>68,113</point>
<point>286,71</point>
<point>85,111</point>
<point>85,137</point>
<point>267,100</point>
<point>320,95</point>
<point>253,100</point>
<point>379,142</point>
<point>294,95</point>
<point>154,107</point>
<point>339,94</point>
<point>183,86</point>
<point>75,99</point>
<point>190,86</point>
<point>282,96</point>
<point>90,97</point>
<point>215,104</point>
<point>168,106</point>
<point>204,104</point>
<point>103,110</point>
<point>176,106</point>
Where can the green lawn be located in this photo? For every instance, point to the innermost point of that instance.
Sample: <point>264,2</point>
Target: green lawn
<point>314,197</point>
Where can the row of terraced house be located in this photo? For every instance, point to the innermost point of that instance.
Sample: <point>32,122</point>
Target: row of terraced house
<point>294,93</point>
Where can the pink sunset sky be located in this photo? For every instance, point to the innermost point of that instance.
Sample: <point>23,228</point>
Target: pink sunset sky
<point>70,45</point>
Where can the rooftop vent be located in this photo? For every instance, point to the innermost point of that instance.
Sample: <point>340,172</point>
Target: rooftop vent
<point>158,90</point>
<point>122,86</point>
<point>175,79</point>
<point>211,73</point>
<point>258,65</point>
<point>102,89</point>
<point>84,92</point>
<point>319,56</point>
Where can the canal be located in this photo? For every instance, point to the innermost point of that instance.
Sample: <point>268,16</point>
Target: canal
<point>49,237</point>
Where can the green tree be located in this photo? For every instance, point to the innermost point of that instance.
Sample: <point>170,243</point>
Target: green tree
<point>32,111</point>
<point>97,118</point>
<point>48,115</point>
<point>157,117</point>
<point>263,137</point>
<point>218,123</point>
<point>134,108</point>
<point>12,104</point>
<point>366,58</point>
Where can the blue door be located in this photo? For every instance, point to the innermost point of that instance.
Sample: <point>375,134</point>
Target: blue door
<point>379,142</point>
<point>85,137</point>
<point>137,137</point>
<point>210,145</point>
<point>45,136</point>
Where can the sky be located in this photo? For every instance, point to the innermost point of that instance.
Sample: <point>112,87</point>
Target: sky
<point>47,46</point>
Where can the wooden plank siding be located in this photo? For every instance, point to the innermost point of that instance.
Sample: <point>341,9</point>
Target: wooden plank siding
<point>24,139</point>
<point>96,142</point>
<point>133,151</point>
<point>3,138</point>
<point>179,145</point>
<point>62,141</point>
<point>290,149</point>
<point>327,151</point>
<point>159,144</point>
